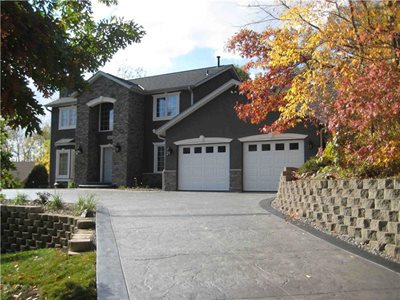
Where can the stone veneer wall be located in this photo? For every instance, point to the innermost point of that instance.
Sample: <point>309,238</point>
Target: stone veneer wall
<point>366,210</point>
<point>28,228</point>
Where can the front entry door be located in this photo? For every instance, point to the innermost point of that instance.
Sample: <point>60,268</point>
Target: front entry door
<point>106,164</point>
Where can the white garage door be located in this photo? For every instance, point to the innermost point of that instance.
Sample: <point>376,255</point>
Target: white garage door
<point>263,162</point>
<point>203,167</point>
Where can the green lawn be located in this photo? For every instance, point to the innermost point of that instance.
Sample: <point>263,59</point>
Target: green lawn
<point>49,273</point>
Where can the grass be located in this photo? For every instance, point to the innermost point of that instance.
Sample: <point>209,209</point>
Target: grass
<point>49,274</point>
<point>55,202</point>
<point>87,202</point>
<point>20,199</point>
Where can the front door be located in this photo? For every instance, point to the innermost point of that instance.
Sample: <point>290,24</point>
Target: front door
<point>106,164</point>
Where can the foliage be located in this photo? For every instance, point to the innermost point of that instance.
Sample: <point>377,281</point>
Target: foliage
<point>87,202</point>
<point>2,196</point>
<point>71,184</point>
<point>55,202</point>
<point>333,63</point>
<point>311,166</point>
<point>44,158</point>
<point>31,148</point>
<point>27,272</point>
<point>20,199</point>
<point>43,197</point>
<point>38,177</point>
<point>52,43</point>
<point>244,75</point>
<point>7,180</point>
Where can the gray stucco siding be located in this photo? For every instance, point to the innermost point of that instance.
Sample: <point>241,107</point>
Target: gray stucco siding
<point>209,86</point>
<point>56,135</point>
<point>218,119</point>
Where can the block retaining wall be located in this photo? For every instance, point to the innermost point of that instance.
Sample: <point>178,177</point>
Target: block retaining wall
<point>366,210</point>
<point>28,228</point>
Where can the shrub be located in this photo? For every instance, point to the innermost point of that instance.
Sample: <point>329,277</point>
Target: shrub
<point>38,177</point>
<point>43,198</point>
<point>311,166</point>
<point>20,199</point>
<point>55,202</point>
<point>71,184</point>
<point>87,202</point>
<point>2,196</point>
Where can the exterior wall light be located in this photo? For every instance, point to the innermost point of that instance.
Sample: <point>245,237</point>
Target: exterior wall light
<point>117,147</point>
<point>310,145</point>
<point>169,151</point>
<point>79,150</point>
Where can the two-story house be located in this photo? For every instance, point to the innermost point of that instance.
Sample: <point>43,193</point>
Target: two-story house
<point>179,130</point>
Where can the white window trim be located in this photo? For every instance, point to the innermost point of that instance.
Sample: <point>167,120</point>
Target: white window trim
<point>109,130</point>
<point>155,97</point>
<point>155,156</point>
<point>59,117</point>
<point>63,177</point>
<point>101,159</point>
<point>100,100</point>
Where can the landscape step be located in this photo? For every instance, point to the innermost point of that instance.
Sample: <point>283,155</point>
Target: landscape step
<point>81,245</point>
<point>86,224</point>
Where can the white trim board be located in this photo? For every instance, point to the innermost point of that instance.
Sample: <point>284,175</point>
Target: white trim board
<point>273,137</point>
<point>66,108</point>
<point>101,159</point>
<point>201,140</point>
<point>156,145</point>
<point>63,177</point>
<point>99,100</point>
<point>165,95</point>
<point>162,130</point>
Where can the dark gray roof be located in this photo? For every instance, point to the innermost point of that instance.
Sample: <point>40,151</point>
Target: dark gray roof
<point>63,101</point>
<point>179,79</point>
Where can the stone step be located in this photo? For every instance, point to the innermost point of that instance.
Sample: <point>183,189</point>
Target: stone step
<point>86,224</point>
<point>72,253</point>
<point>80,245</point>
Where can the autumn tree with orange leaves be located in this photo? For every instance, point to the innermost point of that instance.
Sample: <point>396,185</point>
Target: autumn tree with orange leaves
<point>333,63</point>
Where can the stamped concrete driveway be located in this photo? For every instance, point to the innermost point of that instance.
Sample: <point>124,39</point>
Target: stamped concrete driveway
<point>178,245</point>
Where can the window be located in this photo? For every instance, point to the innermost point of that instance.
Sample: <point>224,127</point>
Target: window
<point>265,147</point>
<point>63,161</point>
<point>106,117</point>
<point>294,146</point>
<point>165,107</point>
<point>252,148</point>
<point>159,157</point>
<point>279,147</point>
<point>197,149</point>
<point>210,149</point>
<point>221,149</point>
<point>67,117</point>
<point>186,150</point>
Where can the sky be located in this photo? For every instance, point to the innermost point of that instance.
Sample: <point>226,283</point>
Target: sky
<point>180,34</point>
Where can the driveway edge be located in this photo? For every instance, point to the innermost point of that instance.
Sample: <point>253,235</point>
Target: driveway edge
<point>395,267</point>
<point>111,282</point>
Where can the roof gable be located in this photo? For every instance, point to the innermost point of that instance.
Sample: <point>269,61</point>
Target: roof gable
<point>162,130</point>
<point>181,79</point>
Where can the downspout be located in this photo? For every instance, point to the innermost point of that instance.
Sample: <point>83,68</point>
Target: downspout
<point>191,95</point>
<point>159,136</point>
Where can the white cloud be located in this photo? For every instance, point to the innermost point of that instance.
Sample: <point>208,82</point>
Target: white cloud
<point>175,28</point>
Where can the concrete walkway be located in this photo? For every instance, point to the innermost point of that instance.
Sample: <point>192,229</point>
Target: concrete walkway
<point>177,245</point>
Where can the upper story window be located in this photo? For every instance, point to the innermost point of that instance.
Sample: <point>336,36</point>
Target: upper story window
<point>106,117</point>
<point>165,106</point>
<point>67,118</point>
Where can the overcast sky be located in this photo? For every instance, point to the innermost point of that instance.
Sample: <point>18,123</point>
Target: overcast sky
<point>180,34</point>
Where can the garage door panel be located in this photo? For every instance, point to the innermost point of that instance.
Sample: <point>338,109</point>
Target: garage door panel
<point>208,169</point>
<point>263,162</point>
